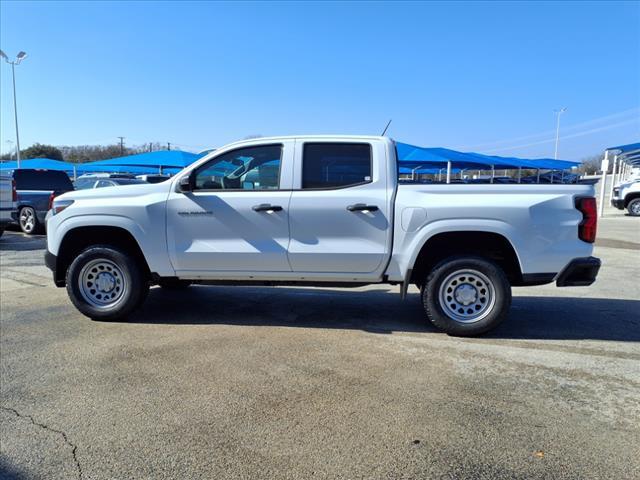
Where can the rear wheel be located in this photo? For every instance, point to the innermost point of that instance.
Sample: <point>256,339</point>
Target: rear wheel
<point>466,296</point>
<point>28,220</point>
<point>633,207</point>
<point>105,283</point>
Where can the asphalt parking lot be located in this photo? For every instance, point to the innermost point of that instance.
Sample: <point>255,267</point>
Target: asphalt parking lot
<point>219,382</point>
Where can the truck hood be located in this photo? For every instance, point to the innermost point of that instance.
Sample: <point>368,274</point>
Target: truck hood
<point>120,191</point>
<point>628,184</point>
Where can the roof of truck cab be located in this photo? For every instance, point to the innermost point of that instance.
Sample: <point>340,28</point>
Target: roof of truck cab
<point>311,137</point>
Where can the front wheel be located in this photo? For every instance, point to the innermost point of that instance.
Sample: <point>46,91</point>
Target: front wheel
<point>634,207</point>
<point>105,283</point>
<point>466,296</point>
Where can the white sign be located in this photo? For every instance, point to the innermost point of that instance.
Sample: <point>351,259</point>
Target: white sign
<point>604,166</point>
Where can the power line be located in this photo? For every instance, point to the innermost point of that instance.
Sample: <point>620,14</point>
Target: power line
<point>569,128</point>
<point>574,135</point>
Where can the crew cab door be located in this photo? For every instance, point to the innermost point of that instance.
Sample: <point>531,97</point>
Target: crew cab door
<point>340,210</point>
<point>236,218</point>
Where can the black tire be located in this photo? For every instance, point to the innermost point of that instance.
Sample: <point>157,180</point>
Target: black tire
<point>483,280</point>
<point>174,283</point>
<point>633,207</point>
<point>28,221</point>
<point>119,270</point>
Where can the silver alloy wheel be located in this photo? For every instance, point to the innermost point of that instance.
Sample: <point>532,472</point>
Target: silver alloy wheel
<point>102,283</point>
<point>635,208</point>
<point>467,296</point>
<point>27,219</point>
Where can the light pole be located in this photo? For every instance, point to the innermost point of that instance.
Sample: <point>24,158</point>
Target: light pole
<point>558,113</point>
<point>21,56</point>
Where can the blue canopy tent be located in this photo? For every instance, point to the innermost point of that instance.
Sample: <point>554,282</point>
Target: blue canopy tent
<point>39,163</point>
<point>165,161</point>
<point>629,154</point>
<point>91,168</point>
<point>433,160</point>
<point>418,158</point>
<point>625,148</point>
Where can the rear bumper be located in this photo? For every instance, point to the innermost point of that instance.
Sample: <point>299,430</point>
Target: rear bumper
<point>618,203</point>
<point>580,272</point>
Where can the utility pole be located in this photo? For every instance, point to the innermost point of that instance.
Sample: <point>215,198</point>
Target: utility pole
<point>150,144</point>
<point>558,113</point>
<point>168,145</point>
<point>121,146</point>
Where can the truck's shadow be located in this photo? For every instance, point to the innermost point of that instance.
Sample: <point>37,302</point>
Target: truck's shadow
<point>382,311</point>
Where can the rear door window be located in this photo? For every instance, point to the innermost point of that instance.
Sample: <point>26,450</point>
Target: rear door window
<point>335,165</point>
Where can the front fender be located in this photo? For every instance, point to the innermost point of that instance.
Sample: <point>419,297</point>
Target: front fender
<point>151,243</point>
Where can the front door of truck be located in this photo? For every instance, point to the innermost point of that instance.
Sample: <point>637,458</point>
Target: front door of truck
<point>236,218</point>
<point>340,214</point>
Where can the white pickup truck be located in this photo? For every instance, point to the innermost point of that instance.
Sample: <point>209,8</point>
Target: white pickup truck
<point>627,195</point>
<point>321,211</point>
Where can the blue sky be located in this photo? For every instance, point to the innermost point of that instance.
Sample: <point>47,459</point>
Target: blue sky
<point>476,76</point>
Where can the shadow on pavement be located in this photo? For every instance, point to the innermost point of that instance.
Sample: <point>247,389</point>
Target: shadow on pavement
<point>7,472</point>
<point>20,242</point>
<point>382,311</point>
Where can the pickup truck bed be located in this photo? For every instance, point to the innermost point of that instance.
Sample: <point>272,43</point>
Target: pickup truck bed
<point>319,211</point>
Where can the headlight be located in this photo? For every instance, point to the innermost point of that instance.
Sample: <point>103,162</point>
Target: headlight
<point>60,205</point>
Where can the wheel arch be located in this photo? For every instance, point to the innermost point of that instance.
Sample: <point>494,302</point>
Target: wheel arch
<point>79,238</point>
<point>484,243</point>
<point>629,197</point>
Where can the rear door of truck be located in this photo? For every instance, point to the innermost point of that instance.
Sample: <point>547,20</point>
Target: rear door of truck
<point>340,213</point>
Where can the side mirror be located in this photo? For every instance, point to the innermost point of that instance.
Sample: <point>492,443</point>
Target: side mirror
<point>187,183</point>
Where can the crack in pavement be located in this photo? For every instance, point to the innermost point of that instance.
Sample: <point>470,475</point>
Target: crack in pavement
<point>74,447</point>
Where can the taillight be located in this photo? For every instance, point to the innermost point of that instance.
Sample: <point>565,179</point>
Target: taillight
<point>589,224</point>
<point>14,191</point>
<point>51,198</point>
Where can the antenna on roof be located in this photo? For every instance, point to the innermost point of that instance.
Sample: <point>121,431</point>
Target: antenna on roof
<point>385,128</point>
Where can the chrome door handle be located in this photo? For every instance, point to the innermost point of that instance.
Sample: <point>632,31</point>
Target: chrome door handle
<point>362,207</point>
<point>266,207</point>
